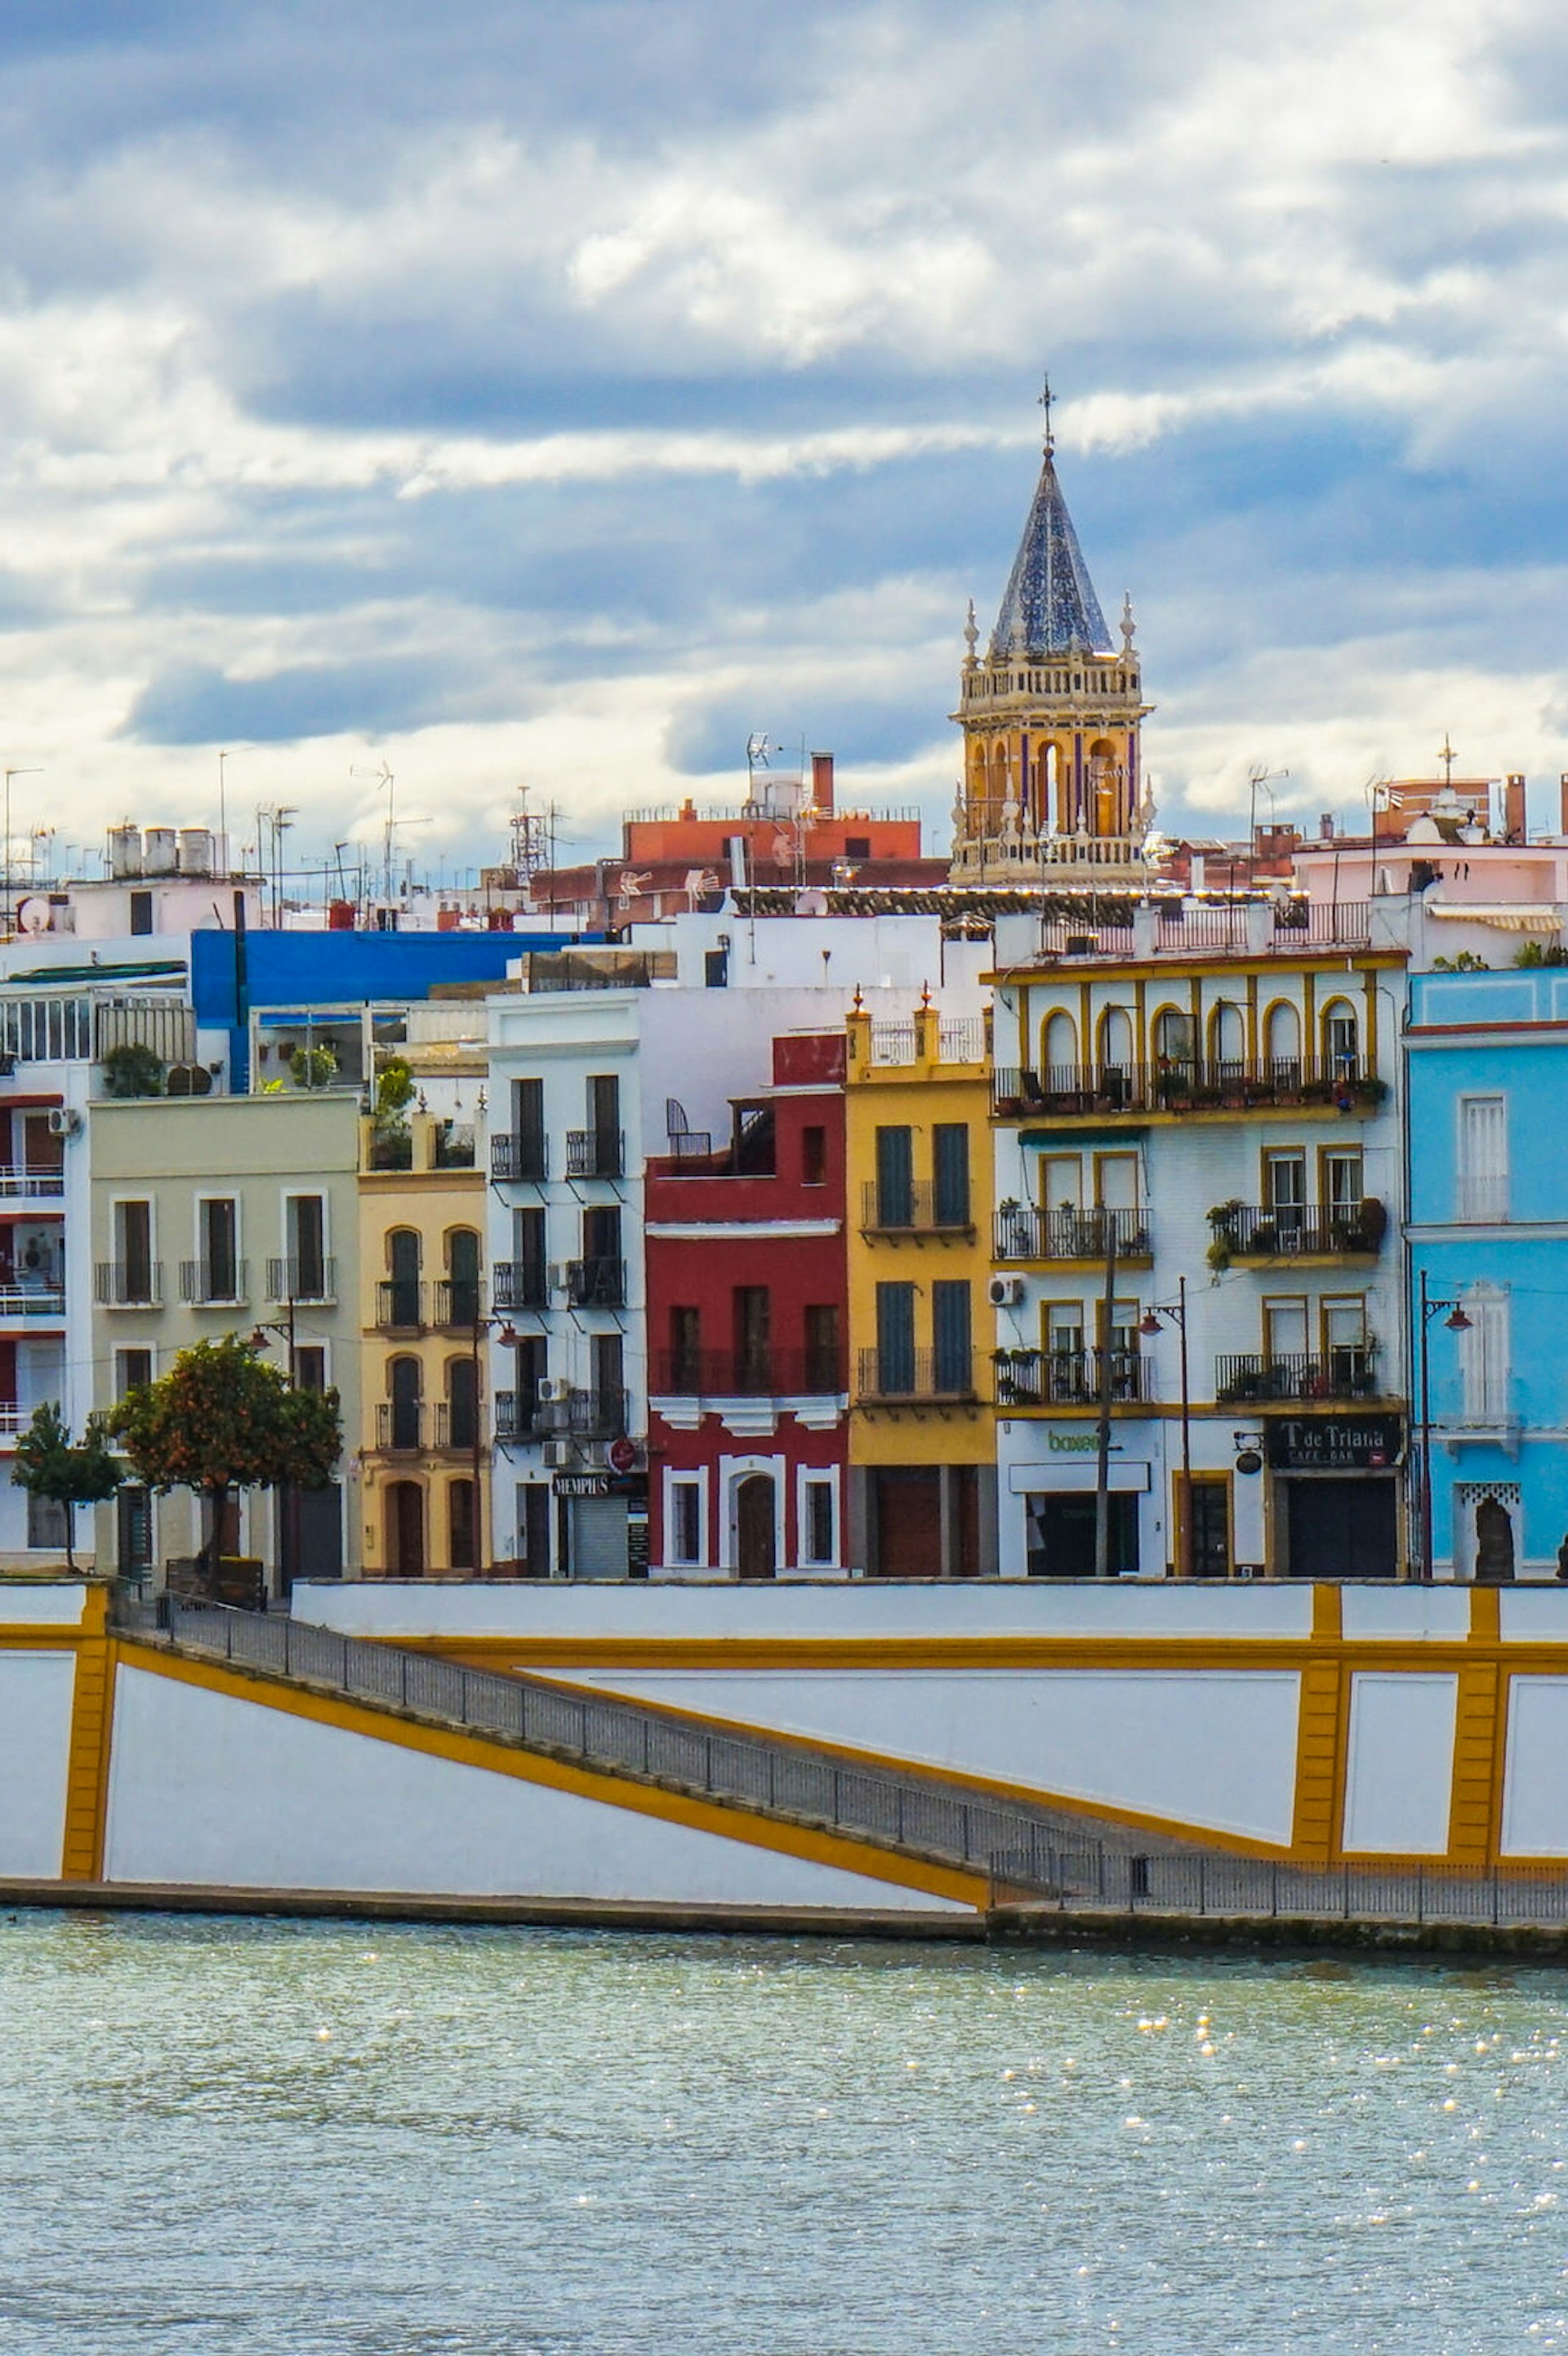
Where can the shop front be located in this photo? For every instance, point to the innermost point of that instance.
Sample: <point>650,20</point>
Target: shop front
<point>1335,1482</point>
<point>1054,1498</point>
<point>602,1525</point>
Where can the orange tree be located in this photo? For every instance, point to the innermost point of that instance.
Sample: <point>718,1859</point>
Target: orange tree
<point>223,1419</point>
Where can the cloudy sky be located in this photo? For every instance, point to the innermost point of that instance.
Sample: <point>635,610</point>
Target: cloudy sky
<point>504,393</point>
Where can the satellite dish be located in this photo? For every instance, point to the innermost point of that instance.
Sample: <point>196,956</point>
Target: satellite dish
<point>33,915</point>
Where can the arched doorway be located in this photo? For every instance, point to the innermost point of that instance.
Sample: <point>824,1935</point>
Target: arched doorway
<point>756,1548</point>
<point>1494,1542</point>
<point>405,1530</point>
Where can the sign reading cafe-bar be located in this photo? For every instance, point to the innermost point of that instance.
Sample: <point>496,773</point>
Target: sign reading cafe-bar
<point>1335,1443</point>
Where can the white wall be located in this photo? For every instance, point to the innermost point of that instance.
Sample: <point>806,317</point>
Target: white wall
<point>1399,1767</point>
<point>1215,1748</point>
<point>36,1695</point>
<point>1535,1772</point>
<point>206,1788</point>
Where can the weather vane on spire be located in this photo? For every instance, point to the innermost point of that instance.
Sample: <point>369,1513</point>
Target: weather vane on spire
<point>1448,757</point>
<point>1045,403</point>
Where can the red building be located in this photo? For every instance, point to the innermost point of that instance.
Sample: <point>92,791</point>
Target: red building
<point>747,1312</point>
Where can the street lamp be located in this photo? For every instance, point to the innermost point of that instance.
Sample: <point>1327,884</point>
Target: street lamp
<point>1456,1322</point>
<point>1176,1314</point>
<point>289,1495</point>
<point>506,1334</point>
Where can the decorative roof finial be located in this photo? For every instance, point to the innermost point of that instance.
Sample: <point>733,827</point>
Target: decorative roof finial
<point>1448,757</point>
<point>1045,405</point>
<point>1128,625</point>
<point>970,633</point>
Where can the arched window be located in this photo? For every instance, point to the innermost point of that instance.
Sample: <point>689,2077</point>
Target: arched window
<point>404,1414</point>
<point>462,1403</point>
<point>1341,1038</point>
<point>462,1244</point>
<point>1228,1038</point>
<point>1116,1056</point>
<point>1059,1049</point>
<point>402,1304</point>
<point>1174,1042</point>
<point>1281,1043</point>
<point>1104,788</point>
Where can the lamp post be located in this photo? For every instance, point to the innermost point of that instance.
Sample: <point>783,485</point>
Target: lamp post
<point>1456,1322</point>
<point>1174,1311</point>
<point>289,1495</point>
<point>507,1336</point>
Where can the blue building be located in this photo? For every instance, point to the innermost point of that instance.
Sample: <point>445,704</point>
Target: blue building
<point>1487,1081</point>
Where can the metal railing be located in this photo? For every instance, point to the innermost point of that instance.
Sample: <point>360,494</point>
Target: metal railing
<point>519,1284</point>
<point>514,1415</point>
<point>1024,1233</point>
<point>596,1283</point>
<point>1195,1084</point>
<point>457,1426</point>
<point>595,1153</point>
<point>893,1042</point>
<point>581,1415</point>
<point>203,1285</point>
<point>400,1426</point>
<point>1062,937</point>
<point>400,1304</point>
<point>33,1300</point>
<point>1289,1378</point>
<point>1072,1377</point>
<point>1032,1856</point>
<point>916,1374</point>
<point>742,1374</point>
<point>34,1184</point>
<point>459,1303</point>
<point>961,1039</point>
<point>1317,1230</point>
<point>311,1279</point>
<point>128,1284</point>
<point>522,1159</point>
<point>919,1208</point>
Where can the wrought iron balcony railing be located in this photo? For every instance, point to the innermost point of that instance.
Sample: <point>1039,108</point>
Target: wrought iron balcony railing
<point>596,1283</point>
<point>1072,1377</point>
<point>1296,1377</point>
<point>400,1426</point>
<point>519,1284</point>
<point>129,1283</point>
<point>399,1305</point>
<point>303,1278</point>
<point>743,1374</point>
<point>893,1374</point>
<point>1024,1233</point>
<point>210,1284</point>
<point>1197,1084</point>
<point>458,1303</point>
<point>595,1153</point>
<point>920,1207</point>
<point>1300,1229</point>
<point>525,1159</point>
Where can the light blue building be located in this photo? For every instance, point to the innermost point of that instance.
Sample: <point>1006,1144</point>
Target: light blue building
<point>1487,1096</point>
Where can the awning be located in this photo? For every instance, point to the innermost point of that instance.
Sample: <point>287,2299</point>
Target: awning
<point>1513,919</point>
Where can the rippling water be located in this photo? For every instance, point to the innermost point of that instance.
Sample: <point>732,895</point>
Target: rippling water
<point>260,2136</point>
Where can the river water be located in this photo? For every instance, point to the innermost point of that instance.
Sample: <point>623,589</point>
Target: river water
<point>241,2138</point>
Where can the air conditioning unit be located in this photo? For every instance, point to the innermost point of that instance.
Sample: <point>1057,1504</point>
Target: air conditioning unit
<point>64,1121</point>
<point>557,1455</point>
<point>1005,1291</point>
<point>560,1275</point>
<point>549,1389</point>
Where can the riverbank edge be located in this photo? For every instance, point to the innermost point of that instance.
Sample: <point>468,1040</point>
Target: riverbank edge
<point>1142,1931</point>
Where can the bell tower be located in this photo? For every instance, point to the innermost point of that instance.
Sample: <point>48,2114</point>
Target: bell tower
<point>1051,715</point>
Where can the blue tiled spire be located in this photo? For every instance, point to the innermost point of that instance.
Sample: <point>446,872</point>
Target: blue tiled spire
<point>1051,606</point>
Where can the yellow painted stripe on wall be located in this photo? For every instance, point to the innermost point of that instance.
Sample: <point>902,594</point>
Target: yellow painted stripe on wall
<point>819,1847</point>
<point>87,1763</point>
<point>1320,1738</point>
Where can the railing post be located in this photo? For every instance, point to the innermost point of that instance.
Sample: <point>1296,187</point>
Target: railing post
<point>288,1648</point>
<point>404,1681</point>
<point>1202,1883</point>
<point>1274,1886</point>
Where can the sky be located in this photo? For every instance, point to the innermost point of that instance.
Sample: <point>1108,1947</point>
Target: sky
<point>501,394</point>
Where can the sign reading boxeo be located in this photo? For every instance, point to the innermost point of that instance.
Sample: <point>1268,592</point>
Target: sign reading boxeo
<point>1335,1443</point>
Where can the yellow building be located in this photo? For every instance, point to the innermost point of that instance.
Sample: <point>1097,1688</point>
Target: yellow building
<point>923,1443</point>
<point>424,1442</point>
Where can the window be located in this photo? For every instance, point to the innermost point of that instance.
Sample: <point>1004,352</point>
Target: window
<point>1116,1183</point>
<point>1061,1181</point>
<point>949,1153</point>
<point>1281,1043</point>
<point>1343,1181</point>
<point>1344,1342</point>
<point>1341,1038</point>
<point>529,1283</point>
<point>824,1363</point>
<point>530,1366</point>
<point>1228,1036</point>
<point>1122,1339</point>
<point>134,1276</point>
<point>1058,1051</point>
<point>751,1312</point>
<point>1484,1356</point>
<point>813,1155</point>
<point>604,1124</point>
<point>1483,1158</point>
<point>1174,1039</point>
<point>1285,1196</point>
<point>141,913</point>
<point>132,1368</point>
<point>310,1366</point>
<point>528,1129</point>
<point>895,1338</point>
<point>685,1373</point>
<point>463,1275</point>
<point>462,1403</point>
<point>460,1525</point>
<point>952,1354</point>
<point>715,968</point>
<point>817,1532</point>
<point>685,1521</point>
<point>894,1178</point>
<point>304,1234</point>
<point>1284,1329</point>
<point>609,1381</point>
<point>401,1417</point>
<point>218,1241</point>
<point>400,1295</point>
<point>46,1523</point>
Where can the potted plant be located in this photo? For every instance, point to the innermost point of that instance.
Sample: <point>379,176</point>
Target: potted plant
<point>1222,1219</point>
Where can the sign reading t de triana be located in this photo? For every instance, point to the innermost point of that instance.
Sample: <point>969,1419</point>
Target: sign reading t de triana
<point>1335,1443</point>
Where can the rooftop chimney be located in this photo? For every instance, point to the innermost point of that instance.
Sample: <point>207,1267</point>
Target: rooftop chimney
<point>823,783</point>
<point>1514,825</point>
<point>1326,823</point>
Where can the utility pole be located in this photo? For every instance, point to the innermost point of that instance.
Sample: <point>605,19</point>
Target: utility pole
<point>1102,1452</point>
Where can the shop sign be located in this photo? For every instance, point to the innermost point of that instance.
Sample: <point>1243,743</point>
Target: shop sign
<point>582,1485</point>
<point>1335,1443</point>
<point>1076,1442</point>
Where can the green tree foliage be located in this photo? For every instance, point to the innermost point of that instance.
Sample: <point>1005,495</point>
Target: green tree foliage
<point>133,1069</point>
<point>49,1463</point>
<point>223,1419</point>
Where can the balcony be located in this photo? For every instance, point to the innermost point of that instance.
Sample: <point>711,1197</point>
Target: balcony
<point>33,1300</point>
<point>900,1377</point>
<point>213,1284</point>
<point>1026,1234</point>
<point>514,1417</point>
<point>596,1283</point>
<point>919,1208</point>
<point>1105,1091</point>
<point>1072,1377</point>
<point>748,1374</point>
<point>307,1279</point>
<point>457,1428</point>
<point>523,1160</point>
<point>595,1153</point>
<point>1298,1378</point>
<point>399,1305</point>
<point>519,1284</point>
<point>127,1284</point>
<point>31,1185</point>
<point>459,1304</point>
<point>1299,1230</point>
<point>13,1421</point>
<point>452,1145</point>
<point>400,1426</point>
<point>581,1415</point>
